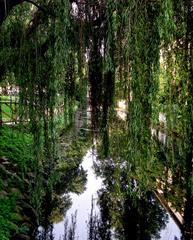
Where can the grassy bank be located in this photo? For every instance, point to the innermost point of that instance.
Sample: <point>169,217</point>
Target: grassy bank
<point>15,160</point>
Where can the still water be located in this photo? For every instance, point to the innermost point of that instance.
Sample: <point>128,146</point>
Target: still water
<point>82,203</point>
<point>82,207</point>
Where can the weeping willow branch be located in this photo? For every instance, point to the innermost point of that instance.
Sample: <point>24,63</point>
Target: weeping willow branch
<point>38,6</point>
<point>7,5</point>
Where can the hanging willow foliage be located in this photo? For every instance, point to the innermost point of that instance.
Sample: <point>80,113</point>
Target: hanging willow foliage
<point>143,49</point>
<point>136,51</point>
<point>43,75</point>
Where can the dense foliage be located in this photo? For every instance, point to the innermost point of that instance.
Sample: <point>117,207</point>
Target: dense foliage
<point>16,159</point>
<point>135,51</point>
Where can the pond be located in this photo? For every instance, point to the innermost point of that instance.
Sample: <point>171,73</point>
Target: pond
<point>89,208</point>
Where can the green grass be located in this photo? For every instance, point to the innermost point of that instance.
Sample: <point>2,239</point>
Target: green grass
<point>16,150</point>
<point>7,98</point>
<point>7,207</point>
<point>9,110</point>
<point>15,145</point>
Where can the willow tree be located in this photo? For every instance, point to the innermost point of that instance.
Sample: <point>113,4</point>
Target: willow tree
<point>32,42</point>
<point>57,50</point>
<point>150,38</point>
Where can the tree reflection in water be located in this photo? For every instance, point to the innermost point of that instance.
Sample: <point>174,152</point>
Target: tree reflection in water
<point>126,212</point>
<point>128,207</point>
<point>140,218</point>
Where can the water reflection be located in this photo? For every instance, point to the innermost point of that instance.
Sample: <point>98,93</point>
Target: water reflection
<point>82,202</point>
<point>70,177</point>
<point>122,211</point>
<point>135,219</point>
<point>116,206</point>
<point>129,212</point>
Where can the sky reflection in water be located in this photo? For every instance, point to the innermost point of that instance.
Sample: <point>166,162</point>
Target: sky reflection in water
<point>82,204</point>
